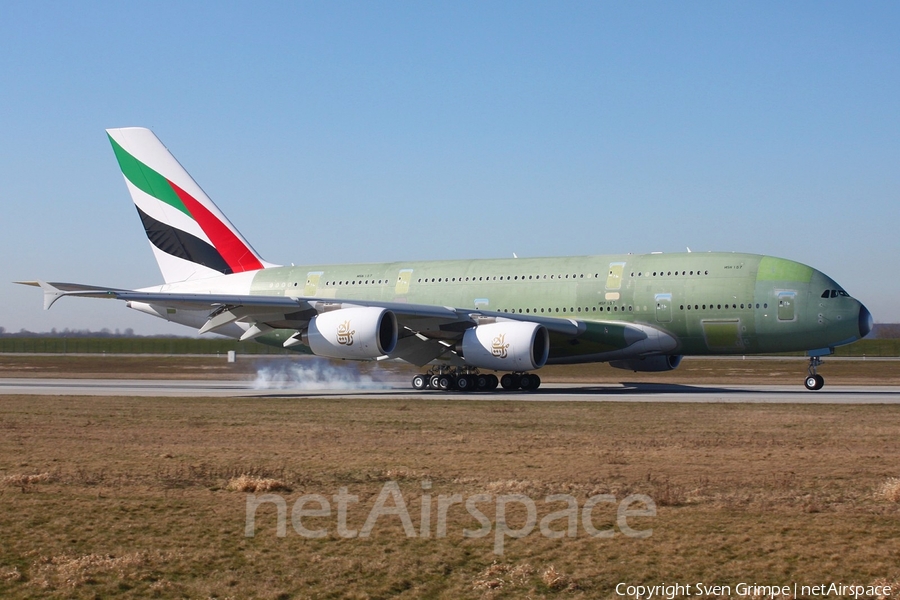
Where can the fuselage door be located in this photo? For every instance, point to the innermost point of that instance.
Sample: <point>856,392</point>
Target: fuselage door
<point>786,305</point>
<point>403,279</point>
<point>312,283</point>
<point>664,308</point>
<point>614,276</point>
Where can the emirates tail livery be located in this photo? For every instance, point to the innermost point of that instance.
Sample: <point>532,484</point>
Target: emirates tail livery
<point>468,319</point>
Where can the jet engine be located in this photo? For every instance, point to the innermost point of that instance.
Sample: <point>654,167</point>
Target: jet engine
<point>657,362</point>
<point>353,333</point>
<point>506,346</point>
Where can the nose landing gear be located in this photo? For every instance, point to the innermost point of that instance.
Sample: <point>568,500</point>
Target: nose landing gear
<point>814,381</point>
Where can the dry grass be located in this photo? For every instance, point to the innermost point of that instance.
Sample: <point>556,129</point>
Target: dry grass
<point>253,484</point>
<point>136,501</point>
<point>24,481</point>
<point>66,571</point>
<point>894,585</point>
<point>503,577</point>
<point>553,579</point>
<point>890,490</point>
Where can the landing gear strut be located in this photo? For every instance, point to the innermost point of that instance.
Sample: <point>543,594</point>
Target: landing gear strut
<point>814,381</point>
<point>466,379</point>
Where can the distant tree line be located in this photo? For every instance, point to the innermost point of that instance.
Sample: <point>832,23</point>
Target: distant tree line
<point>885,331</point>
<point>84,333</point>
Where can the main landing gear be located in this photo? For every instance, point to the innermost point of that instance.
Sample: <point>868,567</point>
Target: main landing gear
<point>470,380</point>
<point>814,381</point>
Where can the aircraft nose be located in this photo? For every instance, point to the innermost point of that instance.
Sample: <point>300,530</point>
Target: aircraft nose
<point>865,321</point>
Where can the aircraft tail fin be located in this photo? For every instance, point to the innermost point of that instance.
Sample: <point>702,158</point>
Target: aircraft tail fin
<point>189,235</point>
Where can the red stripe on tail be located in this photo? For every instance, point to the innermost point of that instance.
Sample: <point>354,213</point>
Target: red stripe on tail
<point>235,252</point>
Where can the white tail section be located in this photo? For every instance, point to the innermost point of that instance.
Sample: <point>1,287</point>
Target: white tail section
<point>190,236</point>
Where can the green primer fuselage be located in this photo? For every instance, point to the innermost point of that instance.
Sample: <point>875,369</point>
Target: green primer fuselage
<point>711,303</point>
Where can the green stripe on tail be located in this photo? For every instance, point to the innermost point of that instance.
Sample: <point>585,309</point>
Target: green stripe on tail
<point>146,179</point>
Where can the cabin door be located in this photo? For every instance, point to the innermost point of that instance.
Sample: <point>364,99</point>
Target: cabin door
<point>664,308</point>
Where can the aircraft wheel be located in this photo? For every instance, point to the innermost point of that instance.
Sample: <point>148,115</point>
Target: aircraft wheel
<point>812,382</point>
<point>526,381</point>
<point>493,382</point>
<point>537,382</point>
<point>511,381</point>
<point>435,382</point>
<point>420,382</point>
<point>444,382</point>
<point>820,382</point>
<point>482,383</point>
<point>465,383</point>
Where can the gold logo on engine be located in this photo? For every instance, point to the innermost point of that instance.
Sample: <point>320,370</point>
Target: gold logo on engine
<point>498,348</point>
<point>345,334</point>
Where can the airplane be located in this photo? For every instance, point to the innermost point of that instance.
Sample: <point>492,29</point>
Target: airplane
<point>467,320</point>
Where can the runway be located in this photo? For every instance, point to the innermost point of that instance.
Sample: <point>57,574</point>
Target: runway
<point>624,392</point>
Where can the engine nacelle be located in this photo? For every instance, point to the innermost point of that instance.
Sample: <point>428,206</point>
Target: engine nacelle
<point>353,333</point>
<point>657,362</point>
<point>506,346</point>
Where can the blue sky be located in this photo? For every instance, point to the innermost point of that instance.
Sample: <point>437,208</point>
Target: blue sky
<point>345,132</point>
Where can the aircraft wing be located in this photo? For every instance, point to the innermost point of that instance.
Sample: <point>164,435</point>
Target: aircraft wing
<point>427,331</point>
<point>251,305</point>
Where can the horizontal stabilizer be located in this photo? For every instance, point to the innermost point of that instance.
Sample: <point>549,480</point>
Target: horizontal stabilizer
<point>56,290</point>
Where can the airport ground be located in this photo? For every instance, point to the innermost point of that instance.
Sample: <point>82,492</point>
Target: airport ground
<point>120,496</point>
<point>733,371</point>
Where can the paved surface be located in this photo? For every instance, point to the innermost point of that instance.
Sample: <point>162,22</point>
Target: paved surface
<point>637,392</point>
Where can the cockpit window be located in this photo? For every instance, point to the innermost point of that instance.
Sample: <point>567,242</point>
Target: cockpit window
<point>835,294</point>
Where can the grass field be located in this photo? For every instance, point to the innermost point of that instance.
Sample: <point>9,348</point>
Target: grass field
<point>129,497</point>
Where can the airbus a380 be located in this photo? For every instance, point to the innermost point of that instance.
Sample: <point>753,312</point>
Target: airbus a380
<point>469,319</point>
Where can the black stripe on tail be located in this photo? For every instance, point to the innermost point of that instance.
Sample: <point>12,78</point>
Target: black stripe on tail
<point>182,244</point>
